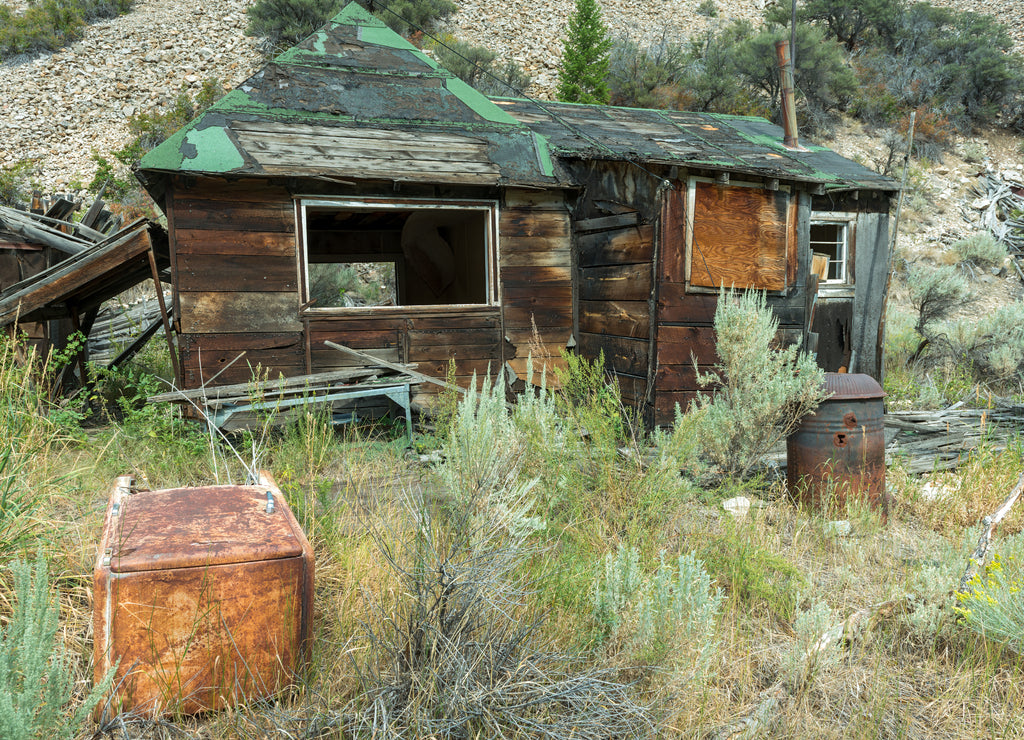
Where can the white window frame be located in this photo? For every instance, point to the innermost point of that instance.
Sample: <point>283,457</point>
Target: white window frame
<point>490,238</point>
<point>848,224</point>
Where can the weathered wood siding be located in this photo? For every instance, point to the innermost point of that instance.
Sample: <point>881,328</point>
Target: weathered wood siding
<point>615,286</point>
<point>235,275</point>
<point>870,273</point>
<point>431,340</point>
<point>685,335</point>
<point>535,262</point>
<point>234,255</point>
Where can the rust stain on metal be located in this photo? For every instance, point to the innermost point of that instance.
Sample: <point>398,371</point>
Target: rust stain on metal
<point>839,451</point>
<point>202,595</point>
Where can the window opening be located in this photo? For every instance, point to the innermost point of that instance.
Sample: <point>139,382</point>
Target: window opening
<point>362,254</point>
<point>830,245</point>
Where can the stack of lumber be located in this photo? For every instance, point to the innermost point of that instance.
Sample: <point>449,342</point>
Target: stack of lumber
<point>940,440</point>
<point>118,325</point>
<point>356,392</point>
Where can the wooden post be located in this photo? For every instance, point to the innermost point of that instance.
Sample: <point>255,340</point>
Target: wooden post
<point>163,314</point>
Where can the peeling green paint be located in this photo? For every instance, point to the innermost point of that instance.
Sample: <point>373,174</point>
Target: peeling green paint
<point>320,41</point>
<point>166,156</point>
<point>544,155</point>
<point>409,92</point>
<point>383,37</point>
<point>479,103</point>
<point>238,101</point>
<point>214,151</point>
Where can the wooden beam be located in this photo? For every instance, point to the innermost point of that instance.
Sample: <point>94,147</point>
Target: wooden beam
<point>164,315</point>
<point>371,360</point>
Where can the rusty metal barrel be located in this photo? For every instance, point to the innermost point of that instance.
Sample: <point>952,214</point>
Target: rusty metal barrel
<point>839,451</point>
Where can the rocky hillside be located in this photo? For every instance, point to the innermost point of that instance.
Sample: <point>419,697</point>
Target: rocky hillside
<point>59,109</point>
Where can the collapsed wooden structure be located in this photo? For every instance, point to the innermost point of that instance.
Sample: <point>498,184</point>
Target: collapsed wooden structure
<point>353,191</point>
<point>55,273</point>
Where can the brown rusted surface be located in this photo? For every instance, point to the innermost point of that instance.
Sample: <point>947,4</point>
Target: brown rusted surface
<point>839,451</point>
<point>203,598</point>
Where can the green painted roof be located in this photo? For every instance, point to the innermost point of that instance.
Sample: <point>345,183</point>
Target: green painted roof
<point>738,144</point>
<point>356,100</point>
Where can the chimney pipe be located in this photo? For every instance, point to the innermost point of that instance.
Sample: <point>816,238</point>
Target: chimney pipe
<point>791,140</point>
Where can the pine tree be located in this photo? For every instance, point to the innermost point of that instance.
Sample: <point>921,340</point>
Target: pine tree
<point>585,59</point>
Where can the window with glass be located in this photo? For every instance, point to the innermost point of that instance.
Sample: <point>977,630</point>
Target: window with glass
<point>830,242</point>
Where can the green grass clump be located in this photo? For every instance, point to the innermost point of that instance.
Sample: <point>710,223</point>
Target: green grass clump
<point>755,575</point>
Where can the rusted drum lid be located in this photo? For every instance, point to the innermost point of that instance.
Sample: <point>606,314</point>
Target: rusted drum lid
<point>199,527</point>
<point>852,386</point>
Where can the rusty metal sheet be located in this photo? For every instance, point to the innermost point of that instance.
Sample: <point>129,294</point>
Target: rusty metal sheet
<point>199,527</point>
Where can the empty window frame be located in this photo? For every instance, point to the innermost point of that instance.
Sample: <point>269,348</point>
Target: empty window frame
<point>366,253</point>
<point>739,235</point>
<point>831,245</point>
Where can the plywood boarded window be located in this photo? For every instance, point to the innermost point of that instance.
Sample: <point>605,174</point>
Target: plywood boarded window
<point>739,235</point>
<point>365,254</point>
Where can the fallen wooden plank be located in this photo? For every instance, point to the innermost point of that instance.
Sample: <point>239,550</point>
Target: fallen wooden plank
<point>294,383</point>
<point>370,359</point>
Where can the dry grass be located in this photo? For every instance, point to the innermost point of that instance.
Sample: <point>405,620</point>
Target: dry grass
<point>912,673</point>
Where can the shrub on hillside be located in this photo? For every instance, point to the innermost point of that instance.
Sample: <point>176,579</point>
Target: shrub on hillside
<point>14,184</point>
<point>645,76</point>
<point>847,21</point>
<point>407,16</point>
<point>284,23</point>
<point>980,250</point>
<point>823,80</point>
<point>992,347</point>
<point>934,293</point>
<point>956,68</point>
<point>475,65</point>
<point>50,24</point>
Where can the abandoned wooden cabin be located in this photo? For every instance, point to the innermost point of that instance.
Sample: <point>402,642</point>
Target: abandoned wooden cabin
<point>354,191</point>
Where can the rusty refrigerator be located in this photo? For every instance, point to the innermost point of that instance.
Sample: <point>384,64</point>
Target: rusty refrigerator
<point>203,597</point>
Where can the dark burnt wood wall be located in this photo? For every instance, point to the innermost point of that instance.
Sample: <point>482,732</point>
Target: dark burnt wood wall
<point>634,304</point>
<point>234,255</point>
<point>614,229</point>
